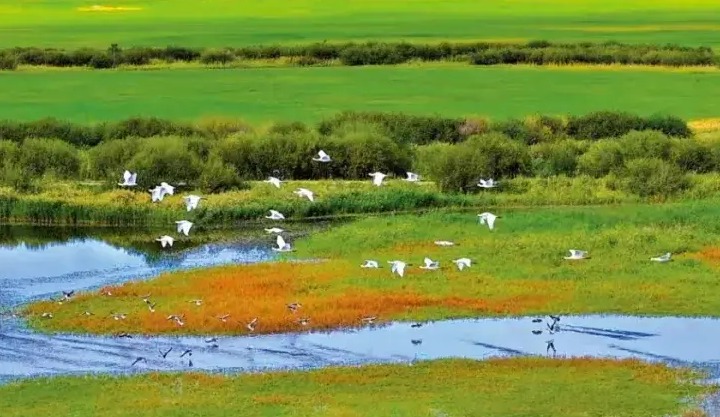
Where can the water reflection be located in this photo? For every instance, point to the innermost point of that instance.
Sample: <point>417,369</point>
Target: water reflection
<point>37,262</point>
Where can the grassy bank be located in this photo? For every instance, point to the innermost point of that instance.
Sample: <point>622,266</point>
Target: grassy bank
<point>518,269</point>
<point>66,23</point>
<point>309,94</point>
<point>499,387</point>
<point>72,204</point>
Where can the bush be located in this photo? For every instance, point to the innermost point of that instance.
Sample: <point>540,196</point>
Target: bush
<point>218,176</point>
<point>689,155</point>
<point>645,144</point>
<point>648,177</point>
<point>603,124</point>
<point>9,152</point>
<point>111,158</point>
<point>363,151</point>
<point>556,158</point>
<point>102,61</point>
<point>8,62</point>
<point>216,56</point>
<point>601,158</point>
<point>166,159</point>
<point>221,127</point>
<point>459,167</point>
<point>670,125</point>
<point>49,156</point>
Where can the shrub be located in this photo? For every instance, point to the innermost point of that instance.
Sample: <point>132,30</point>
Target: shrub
<point>102,61</point>
<point>603,124</point>
<point>556,158</point>
<point>221,127</point>
<point>645,144</point>
<point>601,158</point>
<point>670,125</point>
<point>358,153</point>
<point>217,176</point>
<point>9,152</point>
<point>166,159</point>
<point>49,156</point>
<point>216,56</point>
<point>653,177</point>
<point>8,62</point>
<point>111,158</point>
<point>689,155</point>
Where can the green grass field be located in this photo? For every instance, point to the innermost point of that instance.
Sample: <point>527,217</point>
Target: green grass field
<point>518,269</point>
<point>528,387</point>
<point>232,23</point>
<point>307,94</point>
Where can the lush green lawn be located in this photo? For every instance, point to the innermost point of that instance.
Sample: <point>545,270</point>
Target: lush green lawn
<point>308,94</point>
<point>526,387</point>
<point>238,22</point>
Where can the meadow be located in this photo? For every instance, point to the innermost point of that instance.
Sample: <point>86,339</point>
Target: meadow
<point>232,23</point>
<point>497,387</point>
<point>309,94</point>
<point>518,269</point>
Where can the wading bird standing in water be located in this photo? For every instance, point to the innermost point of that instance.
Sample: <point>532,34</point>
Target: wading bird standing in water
<point>550,345</point>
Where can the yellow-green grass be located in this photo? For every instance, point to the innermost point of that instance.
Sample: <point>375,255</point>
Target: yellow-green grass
<point>76,203</point>
<point>522,387</point>
<point>308,94</point>
<point>518,269</point>
<point>242,22</point>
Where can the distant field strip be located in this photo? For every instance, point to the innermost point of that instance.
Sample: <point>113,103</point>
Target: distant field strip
<point>224,23</point>
<point>307,94</point>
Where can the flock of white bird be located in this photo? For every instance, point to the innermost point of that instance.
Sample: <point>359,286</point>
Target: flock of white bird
<point>157,195</point>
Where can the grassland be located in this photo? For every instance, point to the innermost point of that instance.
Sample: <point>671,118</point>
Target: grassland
<point>499,387</point>
<point>64,203</point>
<point>518,270</point>
<point>232,23</point>
<point>307,94</point>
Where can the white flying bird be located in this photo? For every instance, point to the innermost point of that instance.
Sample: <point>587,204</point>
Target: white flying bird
<point>169,189</point>
<point>430,264</point>
<point>282,245</point>
<point>370,264</point>
<point>412,177</point>
<point>192,202</point>
<point>378,178</point>
<point>488,218</point>
<point>275,215</point>
<point>663,258</point>
<point>157,194</point>
<point>577,254</point>
<point>444,243</point>
<point>304,192</point>
<point>165,240</point>
<point>487,183</point>
<point>129,180</point>
<point>398,267</point>
<point>462,263</point>
<point>275,230</point>
<point>322,157</point>
<point>183,226</point>
<point>274,181</point>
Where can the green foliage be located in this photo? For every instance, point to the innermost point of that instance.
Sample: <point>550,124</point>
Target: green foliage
<point>379,53</point>
<point>356,153</point>
<point>692,156</point>
<point>648,177</point>
<point>645,144</point>
<point>166,159</point>
<point>49,156</point>
<point>8,62</point>
<point>218,176</point>
<point>111,158</point>
<point>603,124</point>
<point>556,158</point>
<point>601,158</point>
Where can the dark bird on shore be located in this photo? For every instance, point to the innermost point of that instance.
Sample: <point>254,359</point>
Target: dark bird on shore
<point>251,326</point>
<point>164,354</point>
<point>537,332</point>
<point>416,341</point>
<point>124,334</point>
<point>187,352</point>
<point>416,325</point>
<point>550,345</point>
<point>139,359</point>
